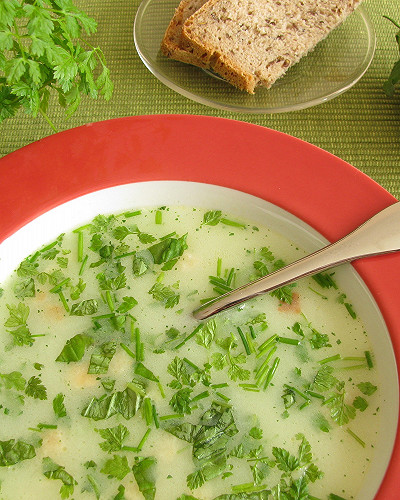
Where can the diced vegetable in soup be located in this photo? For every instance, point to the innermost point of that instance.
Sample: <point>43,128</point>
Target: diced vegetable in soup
<point>111,390</point>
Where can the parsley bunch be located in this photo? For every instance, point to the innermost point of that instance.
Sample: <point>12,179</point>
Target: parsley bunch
<point>42,49</point>
<point>394,77</point>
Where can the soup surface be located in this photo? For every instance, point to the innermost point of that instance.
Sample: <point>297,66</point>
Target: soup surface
<point>110,389</point>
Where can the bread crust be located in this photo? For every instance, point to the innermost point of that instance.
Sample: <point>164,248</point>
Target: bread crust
<point>254,42</point>
<point>172,45</point>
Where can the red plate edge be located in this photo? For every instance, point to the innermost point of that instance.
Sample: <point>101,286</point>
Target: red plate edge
<point>319,188</point>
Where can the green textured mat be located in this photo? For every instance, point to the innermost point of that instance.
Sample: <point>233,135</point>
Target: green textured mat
<point>361,126</point>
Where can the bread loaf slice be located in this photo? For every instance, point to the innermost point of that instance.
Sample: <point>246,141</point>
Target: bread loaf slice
<point>172,44</point>
<point>254,42</point>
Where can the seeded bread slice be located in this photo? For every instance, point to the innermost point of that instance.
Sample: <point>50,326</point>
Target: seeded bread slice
<point>172,45</point>
<point>254,42</point>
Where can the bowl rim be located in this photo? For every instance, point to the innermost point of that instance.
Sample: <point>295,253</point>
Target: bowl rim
<point>215,103</point>
<point>101,155</point>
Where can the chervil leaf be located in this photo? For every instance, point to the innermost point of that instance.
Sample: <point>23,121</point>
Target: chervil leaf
<point>212,217</point>
<point>164,294</point>
<point>86,307</point>
<point>58,406</point>
<point>13,380</point>
<point>367,388</point>
<point>114,437</point>
<point>116,467</point>
<point>35,389</point>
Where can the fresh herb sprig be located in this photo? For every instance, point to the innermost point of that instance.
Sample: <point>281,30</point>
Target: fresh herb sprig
<point>42,49</point>
<point>394,77</point>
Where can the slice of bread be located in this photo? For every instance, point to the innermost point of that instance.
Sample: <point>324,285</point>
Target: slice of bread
<point>172,45</point>
<point>254,42</point>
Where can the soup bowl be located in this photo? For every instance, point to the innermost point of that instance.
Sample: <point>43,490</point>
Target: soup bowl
<point>302,192</point>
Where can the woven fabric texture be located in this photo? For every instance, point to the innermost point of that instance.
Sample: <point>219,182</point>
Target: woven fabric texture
<point>362,126</point>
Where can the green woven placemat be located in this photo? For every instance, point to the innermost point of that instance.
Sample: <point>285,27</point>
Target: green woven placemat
<point>361,126</point>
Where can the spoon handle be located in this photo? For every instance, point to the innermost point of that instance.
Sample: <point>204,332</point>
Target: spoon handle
<point>378,235</point>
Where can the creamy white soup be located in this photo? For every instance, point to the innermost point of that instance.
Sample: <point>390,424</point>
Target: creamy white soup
<point>110,389</point>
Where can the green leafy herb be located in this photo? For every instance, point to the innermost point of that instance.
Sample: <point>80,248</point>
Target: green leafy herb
<point>15,451</point>
<point>212,217</point>
<point>144,472</point>
<point>116,467</point>
<point>58,406</point>
<point>164,294</point>
<point>13,380</point>
<point>101,357</point>
<point>367,388</point>
<point>86,307</point>
<point>360,403</point>
<point>54,471</point>
<point>35,389</point>
<point>341,412</point>
<point>126,403</point>
<point>394,77</point>
<point>43,50</point>
<point>114,437</point>
<point>74,348</point>
<point>16,324</point>
<point>168,249</point>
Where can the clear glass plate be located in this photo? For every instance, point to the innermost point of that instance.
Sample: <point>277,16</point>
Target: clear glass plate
<point>334,66</point>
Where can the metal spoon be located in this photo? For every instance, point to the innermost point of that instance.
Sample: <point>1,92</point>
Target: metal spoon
<point>378,235</point>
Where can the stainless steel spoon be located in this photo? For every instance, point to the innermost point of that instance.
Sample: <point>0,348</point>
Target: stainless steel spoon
<point>378,235</point>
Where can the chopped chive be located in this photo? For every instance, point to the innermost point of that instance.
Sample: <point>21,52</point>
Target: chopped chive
<point>110,301</point>
<point>244,340</point>
<point>155,416</point>
<point>158,219</point>
<point>252,332</point>
<point>200,396</point>
<point>352,367</point>
<point>368,357</point>
<point>63,301</point>
<point>83,265</point>
<point>171,417</point>
<point>297,391</point>
<point>127,350</point>
<point>249,339</point>
<point>232,223</point>
<point>147,411</point>
<point>81,228</point>
<point>219,386</point>
<point>250,387</point>
<point>161,389</point>
<point>169,235</point>
<point>195,367</point>
<point>266,345</point>
<point>34,256</point>
<point>80,246</point>
<point>222,396</point>
<point>132,214</point>
<point>189,336</point>
<point>230,277</point>
<point>139,349</point>
<point>306,403</point>
<point>315,394</point>
<point>248,488</point>
<point>266,361</point>
<point>271,372</point>
<point>58,287</point>
<point>357,438</point>
<point>135,387</point>
<point>143,440</point>
<point>328,360</point>
<point>287,340</point>
<point>219,266</point>
<point>220,290</point>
